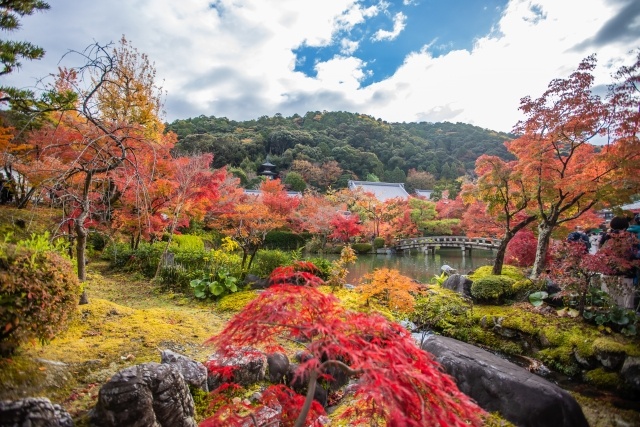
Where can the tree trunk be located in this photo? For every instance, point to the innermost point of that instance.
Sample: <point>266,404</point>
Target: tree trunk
<point>544,236</point>
<point>81,244</point>
<point>502,250</point>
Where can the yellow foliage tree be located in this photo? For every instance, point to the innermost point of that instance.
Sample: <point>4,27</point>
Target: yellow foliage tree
<point>390,289</point>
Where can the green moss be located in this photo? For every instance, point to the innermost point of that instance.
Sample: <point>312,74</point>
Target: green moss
<point>510,271</point>
<point>615,344</point>
<point>604,379</point>
<point>560,359</point>
<point>202,402</point>
<point>491,288</point>
<point>236,301</point>
<point>442,310</point>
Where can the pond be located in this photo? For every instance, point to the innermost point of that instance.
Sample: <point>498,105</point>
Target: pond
<point>418,265</point>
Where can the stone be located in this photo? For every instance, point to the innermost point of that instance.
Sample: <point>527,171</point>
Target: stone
<point>246,366</point>
<point>33,412</point>
<point>194,373</point>
<point>255,282</point>
<point>151,394</point>
<point>630,372</point>
<point>611,360</point>
<point>520,396</point>
<point>458,283</point>
<point>278,364</point>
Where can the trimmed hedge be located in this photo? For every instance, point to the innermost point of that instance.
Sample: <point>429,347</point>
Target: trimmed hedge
<point>362,248</point>
<point>284,240</point>
<point>492,288</point>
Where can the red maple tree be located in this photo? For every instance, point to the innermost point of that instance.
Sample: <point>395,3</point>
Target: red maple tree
<point>397,381</point>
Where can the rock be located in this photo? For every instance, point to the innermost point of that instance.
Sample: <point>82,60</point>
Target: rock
<point>33,412</point>
<point>194,373</point>
<point>245,367</point>
<point>255,282</point>
<point>611,360</point>
<point>458,283</point>
<point>151,394</point>
<point>631,372</point>
<point>278,364</point>
<point>495,384</point>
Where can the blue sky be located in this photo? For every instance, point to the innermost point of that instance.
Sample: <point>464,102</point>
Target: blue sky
<point>386,38</point>
<point>465,61</point>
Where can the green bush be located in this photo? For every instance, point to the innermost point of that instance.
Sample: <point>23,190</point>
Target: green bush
<point>143,260</point>
<point>507,270</point>
<point>362,248</point>
<point>38,294</point>
<point>268,260</point>
<point>378,243</point>
<point>324,265</point>
<point>283,240</point>
<point>491,288</point>
<point>187,242</point>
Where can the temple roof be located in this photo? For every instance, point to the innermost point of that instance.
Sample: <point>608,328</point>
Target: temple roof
<point>381,190</point>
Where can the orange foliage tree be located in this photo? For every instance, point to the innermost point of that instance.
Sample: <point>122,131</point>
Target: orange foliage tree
<point>248,223</point>
<point>564,173</point>
<point>502,190</point>
<point>390,289</point>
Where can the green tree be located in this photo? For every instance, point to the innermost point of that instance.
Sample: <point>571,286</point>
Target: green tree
<point>396,175</point>
<point>295,181</point>
<point>13,52</point>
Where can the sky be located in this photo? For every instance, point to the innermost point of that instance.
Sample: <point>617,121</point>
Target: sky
<point>468,61</point>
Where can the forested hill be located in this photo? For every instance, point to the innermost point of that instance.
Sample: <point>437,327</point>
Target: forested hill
<point>361,144</point>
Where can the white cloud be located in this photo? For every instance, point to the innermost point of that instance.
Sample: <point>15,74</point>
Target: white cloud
<point>399,21</point>
<point>236,59</point>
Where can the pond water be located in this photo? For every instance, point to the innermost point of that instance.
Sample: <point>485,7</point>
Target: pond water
<point>418,265</point>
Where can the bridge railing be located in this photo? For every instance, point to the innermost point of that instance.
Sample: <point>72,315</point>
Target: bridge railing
<point>449,241</point>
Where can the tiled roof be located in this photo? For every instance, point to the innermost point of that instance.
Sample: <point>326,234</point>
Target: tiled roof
<point>382,190</point>
<point>631,207</point>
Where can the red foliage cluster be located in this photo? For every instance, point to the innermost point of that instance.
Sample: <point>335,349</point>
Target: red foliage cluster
<point>299,273</point>
<point>398,382</point>
<point>521,250</point>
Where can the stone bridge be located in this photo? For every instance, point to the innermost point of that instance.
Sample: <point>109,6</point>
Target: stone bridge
<point>431,243</point>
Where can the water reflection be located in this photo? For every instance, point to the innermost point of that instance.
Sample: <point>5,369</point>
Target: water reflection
<point>418,265</point>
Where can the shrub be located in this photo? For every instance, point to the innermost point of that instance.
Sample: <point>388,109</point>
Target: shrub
<point>491,288</point>
<point>283,240</point>
<point>378,242</point>
<point>507,270</point>
<point>38,293</point>
<point>362,248</point>
<point>144,259</point>
<point>268,260</point>
<point>324,266</point>
<point>389,288</point>
<point>187,242</point>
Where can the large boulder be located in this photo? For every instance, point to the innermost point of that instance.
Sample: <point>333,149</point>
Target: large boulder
<point>147,395</point>
<point>458,283</point>
<point>33,412</point>
<point>521,397</point>
<point>194,372</point>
